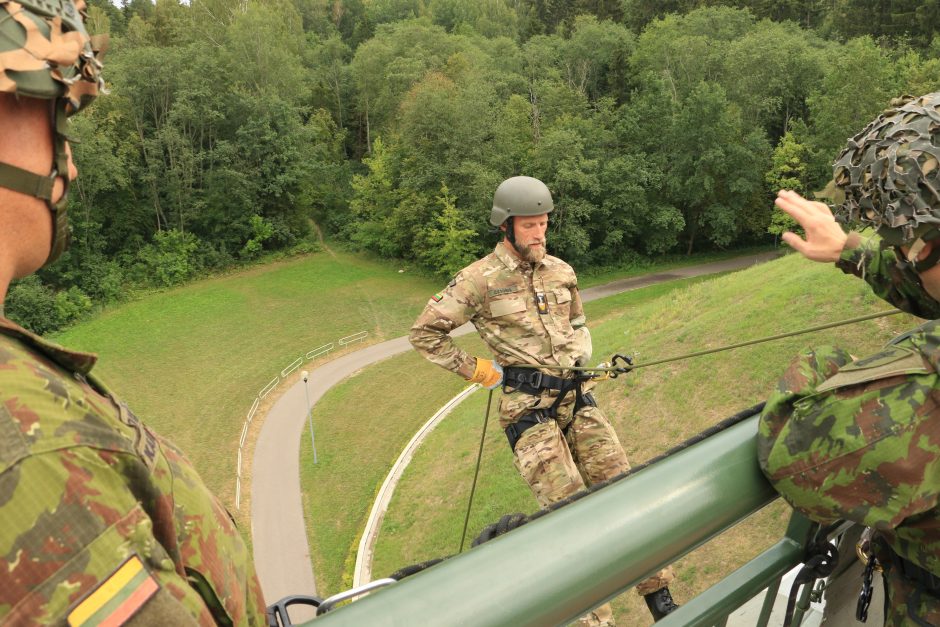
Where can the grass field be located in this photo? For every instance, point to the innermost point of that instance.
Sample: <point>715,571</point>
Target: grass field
<point>665,404</point>
<point>191,360</point>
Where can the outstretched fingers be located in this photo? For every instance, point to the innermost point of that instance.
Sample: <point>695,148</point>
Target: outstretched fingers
<point>824,237</point>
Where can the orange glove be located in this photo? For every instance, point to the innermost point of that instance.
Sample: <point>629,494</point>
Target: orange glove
<point>487,373</point>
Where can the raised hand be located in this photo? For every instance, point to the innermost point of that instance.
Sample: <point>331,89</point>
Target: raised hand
<point>825,239</point>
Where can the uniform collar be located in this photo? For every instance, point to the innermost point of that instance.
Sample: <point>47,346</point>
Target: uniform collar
<point>71,360</point>
<point>510,260</point>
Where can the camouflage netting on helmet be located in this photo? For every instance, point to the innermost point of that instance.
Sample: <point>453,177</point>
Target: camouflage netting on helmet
<point>889,172</point>
<point>45,52</point>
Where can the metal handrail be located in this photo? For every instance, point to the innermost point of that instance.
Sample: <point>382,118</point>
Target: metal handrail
<point>584,554</point>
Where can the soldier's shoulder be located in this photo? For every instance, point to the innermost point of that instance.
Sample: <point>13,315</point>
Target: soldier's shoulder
<point>479,269</point>
<point>555,264</point>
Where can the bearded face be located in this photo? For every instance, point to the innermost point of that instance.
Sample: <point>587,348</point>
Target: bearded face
<point>530,238</point>
<point>533,252</point>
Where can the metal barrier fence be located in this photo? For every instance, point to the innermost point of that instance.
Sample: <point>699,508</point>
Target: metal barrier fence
<point>271,386</point>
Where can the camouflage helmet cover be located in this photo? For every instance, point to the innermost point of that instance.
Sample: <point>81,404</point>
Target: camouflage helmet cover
<point>45,52</point>
<point>520,196</point>
<point>890,172</point>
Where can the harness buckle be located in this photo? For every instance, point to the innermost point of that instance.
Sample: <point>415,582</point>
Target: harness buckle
<point>534,379</point>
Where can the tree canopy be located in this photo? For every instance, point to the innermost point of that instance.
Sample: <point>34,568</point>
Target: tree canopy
<point>235,128</point>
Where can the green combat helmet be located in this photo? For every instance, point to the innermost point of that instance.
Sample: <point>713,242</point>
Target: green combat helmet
<point>890,175</point>
<point>520,196</point>
<point>46,53</point>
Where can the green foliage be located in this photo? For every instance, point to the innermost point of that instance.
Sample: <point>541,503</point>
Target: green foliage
<point>40,309</point>
<point>788,171</point>
<point>169,260</point>
<point>223,113</point>
<point>446,244</point>
<point>261,231</point>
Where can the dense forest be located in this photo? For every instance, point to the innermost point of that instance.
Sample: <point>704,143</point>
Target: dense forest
<point>236,127</point>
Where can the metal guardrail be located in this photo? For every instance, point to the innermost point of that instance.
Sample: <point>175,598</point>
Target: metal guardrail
<point>355,337</point>
<point>271,386</point>
<point>584,554</point>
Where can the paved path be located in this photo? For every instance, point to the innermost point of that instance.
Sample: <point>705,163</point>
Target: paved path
<point>282,555</point>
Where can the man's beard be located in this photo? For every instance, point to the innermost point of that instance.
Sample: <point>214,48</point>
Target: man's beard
<point>530,254</point>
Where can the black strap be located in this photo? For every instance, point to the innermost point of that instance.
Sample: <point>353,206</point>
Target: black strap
<point>530,381</point>
<point>821,560</point>
<point>516,429</point>
<point>534,382</point>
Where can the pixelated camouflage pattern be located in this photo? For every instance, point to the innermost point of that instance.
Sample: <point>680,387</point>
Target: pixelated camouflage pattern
<point>890,171</point>
<point>84,484</point>
<point>498,295</point>
<point>890,280</point>
<point>904,602</point>
<point>49,57</point>
<point>860,441</point>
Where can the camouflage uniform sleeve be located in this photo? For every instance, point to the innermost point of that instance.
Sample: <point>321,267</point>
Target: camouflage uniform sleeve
<point>577,317</point>
<point>898,285</point>
<point>447,310</point>
<point>579,324</point>
<point>854,440</point>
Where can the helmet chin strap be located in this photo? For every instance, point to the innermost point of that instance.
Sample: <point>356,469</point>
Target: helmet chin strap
<point>511,234</point>
<point>39,186</point>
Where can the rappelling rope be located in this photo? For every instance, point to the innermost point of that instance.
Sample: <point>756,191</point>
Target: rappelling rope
<point>476,473</point>
<point>512,521</point>
<point>710,351</point>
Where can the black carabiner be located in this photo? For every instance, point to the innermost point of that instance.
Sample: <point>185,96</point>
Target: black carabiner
<point>625,368</point>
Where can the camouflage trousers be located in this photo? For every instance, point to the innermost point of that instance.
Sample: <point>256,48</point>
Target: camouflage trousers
<point>907,606</point>
<point>560,457</point>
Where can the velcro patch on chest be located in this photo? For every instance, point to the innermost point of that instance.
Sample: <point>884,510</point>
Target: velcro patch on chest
<point>116,599</point>
<point>891,362</point>
<point>500,291</point>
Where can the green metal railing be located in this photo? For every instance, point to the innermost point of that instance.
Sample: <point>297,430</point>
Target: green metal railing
<point>556,568</point>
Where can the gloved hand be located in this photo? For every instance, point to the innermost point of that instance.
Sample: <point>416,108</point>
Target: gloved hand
<point>487,373</point>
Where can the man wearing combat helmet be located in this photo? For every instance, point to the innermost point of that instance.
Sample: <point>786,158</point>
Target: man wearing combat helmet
<point>859,440</point>
<point>526,307</point>
<point>101,520</point>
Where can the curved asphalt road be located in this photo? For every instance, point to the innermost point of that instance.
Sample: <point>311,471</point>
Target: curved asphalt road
<point>282,555</point>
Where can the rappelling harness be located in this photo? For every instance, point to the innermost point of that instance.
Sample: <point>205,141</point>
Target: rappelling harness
<point>531,381</point>
<point>821,557</point>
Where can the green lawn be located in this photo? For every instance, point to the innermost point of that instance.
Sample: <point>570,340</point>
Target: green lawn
<point>666,404</point>
<point>190,360</point>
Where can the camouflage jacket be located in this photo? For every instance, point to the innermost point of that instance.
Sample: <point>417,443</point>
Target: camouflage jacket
<point>860,440</point>
<point>101,518</point>
<point>897,284</point>
<point>525,315</point>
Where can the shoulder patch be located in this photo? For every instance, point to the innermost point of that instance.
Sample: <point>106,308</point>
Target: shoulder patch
<point>438,297</point>
<point>116,599</point>
<point>890,362</point>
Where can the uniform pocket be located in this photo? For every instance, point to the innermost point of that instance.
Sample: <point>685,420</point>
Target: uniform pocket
<point>506,306</point>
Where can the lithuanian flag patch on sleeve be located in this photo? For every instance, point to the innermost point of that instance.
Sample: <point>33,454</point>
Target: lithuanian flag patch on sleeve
<point>116,599</point>
<point>438,297</point>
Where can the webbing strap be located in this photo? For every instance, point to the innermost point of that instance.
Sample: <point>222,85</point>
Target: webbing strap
<point>26,182</point>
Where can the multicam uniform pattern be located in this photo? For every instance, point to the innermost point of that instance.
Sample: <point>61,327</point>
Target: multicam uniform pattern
<point>859,440</point>
<point>500,295</point>
<point>84,485</point>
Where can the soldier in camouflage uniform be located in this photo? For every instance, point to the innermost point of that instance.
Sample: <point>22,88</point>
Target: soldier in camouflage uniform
<point>526,307</point>
<point>859,439</point>
<point>101,520</point>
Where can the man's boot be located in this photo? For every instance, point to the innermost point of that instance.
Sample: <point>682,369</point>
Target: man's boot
<point>660,603</point>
